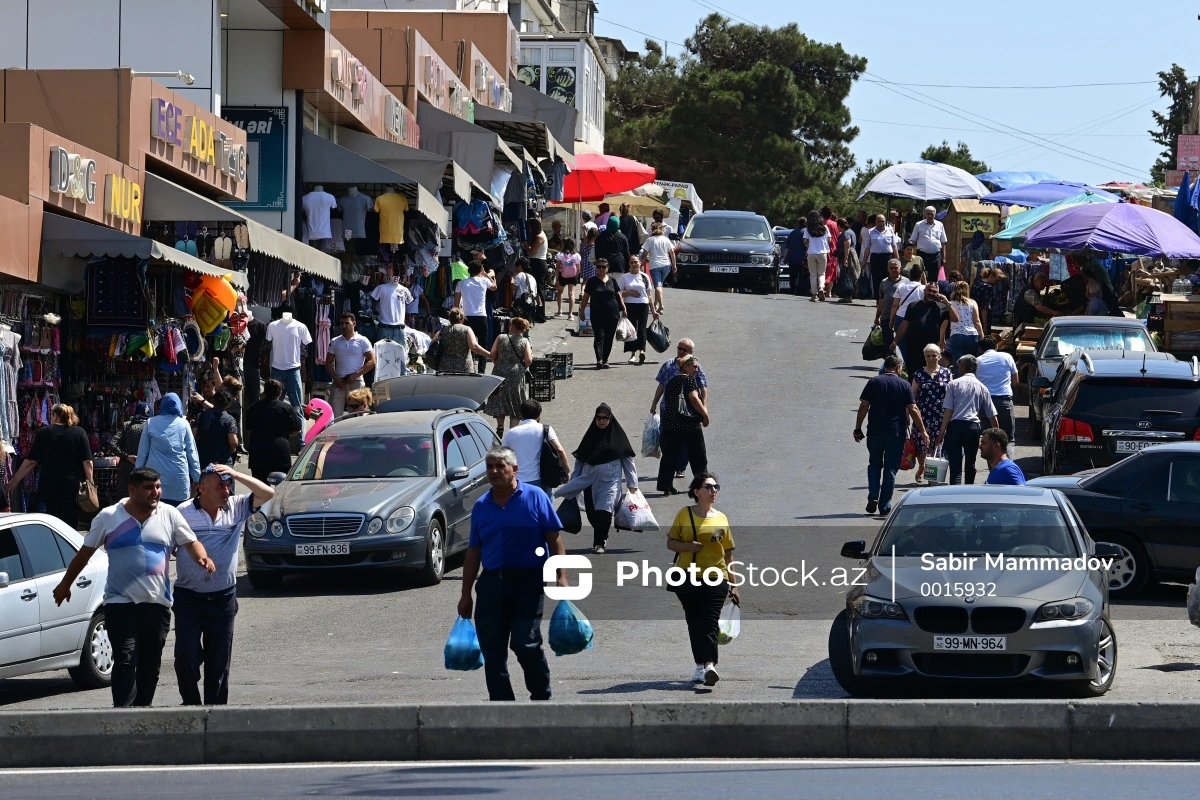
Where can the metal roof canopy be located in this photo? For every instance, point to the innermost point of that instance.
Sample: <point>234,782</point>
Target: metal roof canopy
<point>561,119</point>
<point>532,134</point>
<point>434,171</point>
<point>477,149</point>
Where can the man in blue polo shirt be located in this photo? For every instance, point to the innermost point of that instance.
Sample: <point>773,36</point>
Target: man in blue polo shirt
<point>513,531</point>
<point>993,446</point>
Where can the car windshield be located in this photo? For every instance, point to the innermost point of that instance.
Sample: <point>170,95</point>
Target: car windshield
<point>917,529</point>
<point>348,457</point>
<point>1137,398</point>
<point>746,229</point>
<point>1065,341</point>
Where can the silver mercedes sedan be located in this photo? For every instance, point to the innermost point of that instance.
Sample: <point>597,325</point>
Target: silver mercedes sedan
<point>978,583</point>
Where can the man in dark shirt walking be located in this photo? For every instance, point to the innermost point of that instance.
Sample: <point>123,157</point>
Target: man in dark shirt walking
<point>922,325</point>
<point>514,530</point>
<point>885,402</point>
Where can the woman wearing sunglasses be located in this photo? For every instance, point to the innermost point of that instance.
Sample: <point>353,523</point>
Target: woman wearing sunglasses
<point>700,534</point>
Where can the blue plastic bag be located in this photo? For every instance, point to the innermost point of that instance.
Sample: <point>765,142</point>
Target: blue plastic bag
<point>462,648</point>
<point>570,632</point>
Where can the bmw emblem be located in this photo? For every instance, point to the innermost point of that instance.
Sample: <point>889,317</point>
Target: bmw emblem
<point>1143,424</point>
<point>969,599</point>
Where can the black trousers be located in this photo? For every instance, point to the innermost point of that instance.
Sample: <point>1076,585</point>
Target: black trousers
<point>251,390</point>
<point>600,521</point>
<point>604,329</point>
<point>672,442</point>
<point>702,610</point>
<point>878,263</point>
<point>960,445</point>
<point>138,632</point>
<point>204,636</point>
<point>933,264</point>
<point>508,614</point>
<point>1006,418</point>
<point>638,314</point>
<point>479,326</point>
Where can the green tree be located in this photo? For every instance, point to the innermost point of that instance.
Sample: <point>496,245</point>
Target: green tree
<point>755,117</point>
<point>959,156</point>
<point>1172,84</point>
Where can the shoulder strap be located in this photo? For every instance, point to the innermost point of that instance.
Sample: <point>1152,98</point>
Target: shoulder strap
<point>545,434</point>
<point>692,517</point>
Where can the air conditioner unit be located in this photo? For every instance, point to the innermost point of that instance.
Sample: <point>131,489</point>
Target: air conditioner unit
<point>429,70</point>
<point>479,72</point>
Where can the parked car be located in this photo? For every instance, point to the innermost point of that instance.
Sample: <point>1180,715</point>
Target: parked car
<point>729,249</point>
<point>922,615</point>
<point>1063,336</point>
<point>1148,505</point>
<point>35,634</point>
<point>1106,409</point>
<point>390,490</point>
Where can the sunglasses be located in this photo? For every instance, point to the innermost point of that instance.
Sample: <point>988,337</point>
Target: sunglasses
<point>603,419</point>
<point>353,406</point>
<point>712,487</point>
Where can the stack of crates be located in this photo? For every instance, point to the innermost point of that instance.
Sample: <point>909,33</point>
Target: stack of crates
<point>563,365</point>
<point>542,370</point>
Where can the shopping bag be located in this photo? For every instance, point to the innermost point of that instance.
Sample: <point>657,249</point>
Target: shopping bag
<point>625,330</point>
<point>570,632</point>
<point>1193,600</point>
<point>875,337</point>
<point>650,448</point>
<point>658,336</point>
<point>730,623</point>
<point>909,459</point>
<point>634,513</point>
<point>462,648</point>
<point>569,516</point>
<point>843,287</point>
<point>873,349</point>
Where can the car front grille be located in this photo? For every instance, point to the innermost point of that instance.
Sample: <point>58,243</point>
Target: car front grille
<point>1002,619</point>
<point>970,665</point>
<point>724,258</point>
<point>318,526</point>
<point>941,619</point>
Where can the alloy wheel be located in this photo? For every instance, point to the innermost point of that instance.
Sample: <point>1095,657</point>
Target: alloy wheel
<point>1123,570</point>
<point>437,555</point>
<point>1106,658</point>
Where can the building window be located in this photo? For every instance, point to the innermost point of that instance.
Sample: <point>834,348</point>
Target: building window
<point>561,55</point>
<point>529,67</point>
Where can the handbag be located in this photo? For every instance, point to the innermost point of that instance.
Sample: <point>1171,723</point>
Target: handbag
<point>658,336</point>
<point>551,471</point>
<point>86,498</point>
<point>569,516</point>
<point>433,354</point>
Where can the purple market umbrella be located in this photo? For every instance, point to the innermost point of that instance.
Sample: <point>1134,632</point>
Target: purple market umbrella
<point>1115,228</point>
<point>1039,194</point>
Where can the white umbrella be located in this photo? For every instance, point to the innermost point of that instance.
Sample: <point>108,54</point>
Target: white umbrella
<point>925,180</point>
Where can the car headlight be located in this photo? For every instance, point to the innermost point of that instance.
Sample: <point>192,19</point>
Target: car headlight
<point>688,258</point>
<point>873,608</point>
<point>374,526</point>
<point>764,261</point>
<point>257,525</point>
<point>1076,608</point>
<point>401,519</point>
<point>277,529</point>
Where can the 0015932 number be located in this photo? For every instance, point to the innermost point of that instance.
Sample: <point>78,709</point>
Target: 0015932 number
<point>958,590</point>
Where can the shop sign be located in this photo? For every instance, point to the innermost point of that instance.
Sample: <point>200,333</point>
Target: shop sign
<point>434,85</point>
<point>1188,153</point>
<point>72,175</point>
<point>348,74</point>
<point>267,137</point>
<point>1174,178</point>
<point>166,122</point>
<point>987,224</point>
<point>123,199</point>
<point>399,123</point>
<point>497,90</point>
<point>197,138</point>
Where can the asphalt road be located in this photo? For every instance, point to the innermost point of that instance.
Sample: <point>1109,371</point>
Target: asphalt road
<point>786,375</point>
<point>763,780</point>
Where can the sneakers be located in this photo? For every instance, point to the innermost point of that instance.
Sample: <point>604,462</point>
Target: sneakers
<point>872,505</point>
<point>599,550</point>
<point>698,675</point>
<point>642,357</point>
<point>710,676</point>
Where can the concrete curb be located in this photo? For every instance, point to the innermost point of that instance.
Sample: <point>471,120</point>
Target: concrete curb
<point>1000,729</point>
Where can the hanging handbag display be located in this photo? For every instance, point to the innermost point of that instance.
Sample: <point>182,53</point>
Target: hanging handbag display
<point>551,470</point>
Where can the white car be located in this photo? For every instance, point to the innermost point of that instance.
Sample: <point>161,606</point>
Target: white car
<point>35,634</point>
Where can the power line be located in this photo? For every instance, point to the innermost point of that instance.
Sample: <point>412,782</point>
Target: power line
<point>1023,88</point>
<point>985,130</point>
<point>1088,125</point>
<point>649,36</point>
<point>714,7</point>
<point>1099,125</point>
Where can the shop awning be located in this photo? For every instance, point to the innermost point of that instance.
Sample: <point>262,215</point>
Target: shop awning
<point>560,119</point>
<point>168,202</point>
<point>476,149</point>
<point>534,135</point>
<point>65,238</point>
<point>434,171</point>
<point>326,162</point>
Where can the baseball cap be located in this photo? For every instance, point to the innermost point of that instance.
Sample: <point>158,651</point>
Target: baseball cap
<point>211,469</point>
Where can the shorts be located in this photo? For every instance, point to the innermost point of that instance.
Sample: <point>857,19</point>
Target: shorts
<point>659,275</point>
<point>572,281</point>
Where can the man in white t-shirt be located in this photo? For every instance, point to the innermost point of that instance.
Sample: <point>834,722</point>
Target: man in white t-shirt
<point>929,235</point>
<point>288,338</point>
<point>996,370</point>
<point>471,296</point>
<point>350,358</point>
<point>526,441</point>
<point>138,533</point>
<point>393,299</point>
<point>907,293</point>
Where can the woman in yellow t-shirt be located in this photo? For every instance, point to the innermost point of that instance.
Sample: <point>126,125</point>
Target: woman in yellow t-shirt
<point>701,534</point>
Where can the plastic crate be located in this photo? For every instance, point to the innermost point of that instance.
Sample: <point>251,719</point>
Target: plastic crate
<point>542,391</point>
<point>564,365</point>
<point>542,368</point>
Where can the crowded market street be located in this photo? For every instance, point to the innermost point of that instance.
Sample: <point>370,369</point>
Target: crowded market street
<point>785,377</point>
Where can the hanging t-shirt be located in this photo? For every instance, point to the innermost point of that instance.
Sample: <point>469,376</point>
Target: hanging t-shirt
<point>354,214</point>
<point>393,299</point>
<point>288,340</point>
<point>414,305</point>
<point>391,208</point>
<point>317,206</point>
<point>390,359</point>
<point>639,283</point>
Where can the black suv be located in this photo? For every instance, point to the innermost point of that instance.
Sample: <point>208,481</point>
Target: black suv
<point>729,249</point>
<point>1104,406</point>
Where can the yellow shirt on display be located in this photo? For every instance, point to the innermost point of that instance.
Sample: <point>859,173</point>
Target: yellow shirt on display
<point>391,208</point>
<point>713,532</point>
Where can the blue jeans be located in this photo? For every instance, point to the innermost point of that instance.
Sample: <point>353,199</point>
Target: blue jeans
<point>962,344</point>
<point>885,454</point>
<point>293,389</point>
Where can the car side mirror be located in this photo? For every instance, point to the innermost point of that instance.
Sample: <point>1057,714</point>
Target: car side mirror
<point>1108,550</point>
<point>456,475</point>
<point>3,580</point>
<point>1040,382</point>
<point>276,478</point>
<point>855,550</point>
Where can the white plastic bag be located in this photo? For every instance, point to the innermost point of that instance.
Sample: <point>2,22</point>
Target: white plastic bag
<point>650,448</point>
<point>730,623</point>
<point>625,330</point>
<point>1193,600</point>
<point>634,513</point>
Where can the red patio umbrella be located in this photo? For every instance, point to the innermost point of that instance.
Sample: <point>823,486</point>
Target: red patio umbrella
<point>596,176</point>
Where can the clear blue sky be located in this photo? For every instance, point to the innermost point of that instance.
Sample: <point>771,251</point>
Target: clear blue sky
<point>1099,132</point>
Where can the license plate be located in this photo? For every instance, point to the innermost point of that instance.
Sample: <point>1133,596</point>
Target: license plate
<point>729,270</point>
<point>970,643</point>
<point>324,549</point>
<point>1135,445</point>
<point>785,284</point>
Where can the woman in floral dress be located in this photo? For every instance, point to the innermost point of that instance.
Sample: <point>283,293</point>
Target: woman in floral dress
<point>929,385</point>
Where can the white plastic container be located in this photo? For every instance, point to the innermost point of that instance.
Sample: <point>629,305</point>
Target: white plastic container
<point>937,470</point>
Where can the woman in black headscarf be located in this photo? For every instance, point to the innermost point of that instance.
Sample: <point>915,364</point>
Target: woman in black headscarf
<point>603,459</point>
